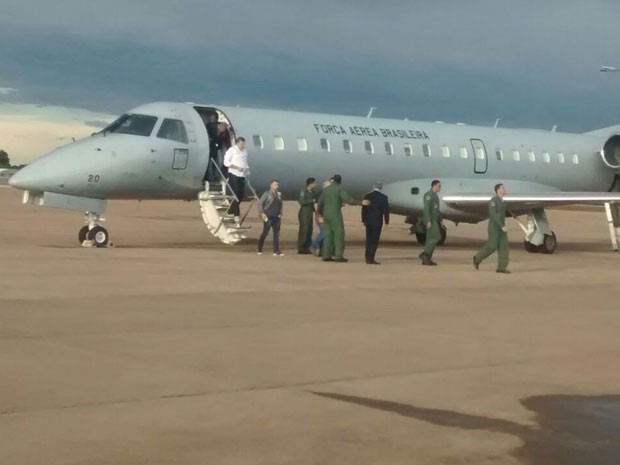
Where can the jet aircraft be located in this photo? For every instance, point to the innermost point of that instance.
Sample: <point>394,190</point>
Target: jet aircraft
<point>161,151</point>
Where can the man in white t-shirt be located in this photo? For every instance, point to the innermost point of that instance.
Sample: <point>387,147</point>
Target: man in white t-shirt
<point>236,160</point>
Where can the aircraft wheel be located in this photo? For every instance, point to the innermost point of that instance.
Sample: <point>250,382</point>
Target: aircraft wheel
<point>421,238</point>
<point>549,244</point>
<point>531,248</point>
<point>83,234</point>
<point>99,235</point>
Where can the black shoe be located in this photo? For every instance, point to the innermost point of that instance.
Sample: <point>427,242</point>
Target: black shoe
<point>372,262</point>
<point>503,271</point>
<point>432,263</point>
<point>476,264</point>
<point>341,260</point>
<point>304,252</point>
<point>328,259</point>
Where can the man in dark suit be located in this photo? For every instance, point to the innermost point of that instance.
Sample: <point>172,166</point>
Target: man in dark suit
<point>375,208</point>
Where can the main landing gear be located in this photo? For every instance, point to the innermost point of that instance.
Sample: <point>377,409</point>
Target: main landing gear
<point>93,234</point>
<point>538,235</point>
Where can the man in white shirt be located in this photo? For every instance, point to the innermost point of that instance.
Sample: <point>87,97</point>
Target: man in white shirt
<point>236,160</point>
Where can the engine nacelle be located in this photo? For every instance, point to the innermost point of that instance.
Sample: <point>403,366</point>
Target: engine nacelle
<point>611,152</point>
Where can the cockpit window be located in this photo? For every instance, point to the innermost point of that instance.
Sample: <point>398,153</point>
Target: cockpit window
<point>173,129</point>
<point>137,125</point>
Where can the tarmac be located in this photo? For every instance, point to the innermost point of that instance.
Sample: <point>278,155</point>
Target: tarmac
<point>171,348</point>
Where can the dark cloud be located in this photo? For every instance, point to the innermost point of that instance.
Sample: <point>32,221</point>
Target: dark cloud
<point>530,63</point>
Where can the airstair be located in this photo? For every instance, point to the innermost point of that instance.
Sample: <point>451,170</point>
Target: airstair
<point>215,202</point>
<point>613,220</point>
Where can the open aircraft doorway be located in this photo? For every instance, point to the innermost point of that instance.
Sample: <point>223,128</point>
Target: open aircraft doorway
<point>481,161</point>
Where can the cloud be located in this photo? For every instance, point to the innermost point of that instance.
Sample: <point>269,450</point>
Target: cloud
<point>7,90</point>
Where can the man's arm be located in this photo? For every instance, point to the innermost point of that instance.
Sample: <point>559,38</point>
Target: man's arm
<point>426,216</point>
<point>346,198</point>
<point>305,198</point>
<point>365,208</point>
<point>228,158</point>
<point>386,211</point>
<point>494,215</point>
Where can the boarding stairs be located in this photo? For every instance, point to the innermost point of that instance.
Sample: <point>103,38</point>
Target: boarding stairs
<point>613,220</point>
<point>215,202</point>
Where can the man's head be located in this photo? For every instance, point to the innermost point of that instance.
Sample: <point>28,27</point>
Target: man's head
<point>274,184</point>
<point>310,183</point>
<point>500,190</point>
<point>377,186</point>
<point>436,185</point>
<point>240,143</point>
<point>337,178</point>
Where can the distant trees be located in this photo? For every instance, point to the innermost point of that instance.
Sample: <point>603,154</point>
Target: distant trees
<point>5,161</point>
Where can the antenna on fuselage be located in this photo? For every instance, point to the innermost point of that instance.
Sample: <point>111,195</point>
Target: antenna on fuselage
<point>497,122</point>
<point>370,112</point>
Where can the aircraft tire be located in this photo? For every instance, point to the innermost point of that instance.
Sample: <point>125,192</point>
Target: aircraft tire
<point>99,235</point>
<point>531,248</point>
<point>549,244</point>
<point>83,234</point>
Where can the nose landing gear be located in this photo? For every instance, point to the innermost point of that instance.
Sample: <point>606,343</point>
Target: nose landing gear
<point>93,234</point>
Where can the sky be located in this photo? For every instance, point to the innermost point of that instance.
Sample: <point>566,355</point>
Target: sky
<point>69,66</point>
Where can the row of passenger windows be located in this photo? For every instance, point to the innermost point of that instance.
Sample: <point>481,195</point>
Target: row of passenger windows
<point>388,149</point>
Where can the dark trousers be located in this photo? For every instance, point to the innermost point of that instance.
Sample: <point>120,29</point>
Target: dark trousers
<point>272,222</point>
<point>237,184</point>
<point>304,238</point>
<point>373,233</point>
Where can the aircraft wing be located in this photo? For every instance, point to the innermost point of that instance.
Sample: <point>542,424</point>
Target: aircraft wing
<point>520,203</point>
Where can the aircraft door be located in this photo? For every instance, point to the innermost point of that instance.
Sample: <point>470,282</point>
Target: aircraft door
<point>480,156</point>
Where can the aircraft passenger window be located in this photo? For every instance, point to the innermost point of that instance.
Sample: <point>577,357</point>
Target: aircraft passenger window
<point>426,150</point>
<point>547,157</point>
<point>173,129</point>
<point>346,144</point>
<point>278,143</point>
<point>389,148</point>
<point>531,155</point>
<point>324,145</point>
<point>258,141</point>
<point>463,152</point>
<point>499,154</point>
<point>515,155</point>
<point>137,125</point>
<point>370,149</point>
<point>408,150</point>
<point>302,144</point>
<point>560,157</point>
<point>575,159</point>
<point>445,151</point>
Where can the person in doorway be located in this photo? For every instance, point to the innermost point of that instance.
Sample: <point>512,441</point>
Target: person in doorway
<point>498,237</point>
<point>432,223</point>
<point>236,160</point>
<point>375,210</point>
<point>307,202</point>
<point>211,125</point>
<point>270,210</point>
<point>223,144</point>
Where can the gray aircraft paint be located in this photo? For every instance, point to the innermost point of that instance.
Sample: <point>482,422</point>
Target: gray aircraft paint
<point>138,167</point>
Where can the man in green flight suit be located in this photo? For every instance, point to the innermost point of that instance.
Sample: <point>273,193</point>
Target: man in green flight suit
<point>330,207</point>
<point>431,219</point>
<point>498,239</point>
<point>307,199</point>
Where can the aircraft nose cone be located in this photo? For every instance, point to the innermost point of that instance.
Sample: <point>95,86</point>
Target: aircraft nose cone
<point>29,178</point>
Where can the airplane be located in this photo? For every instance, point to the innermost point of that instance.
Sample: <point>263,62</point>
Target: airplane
<point>161,151</point>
